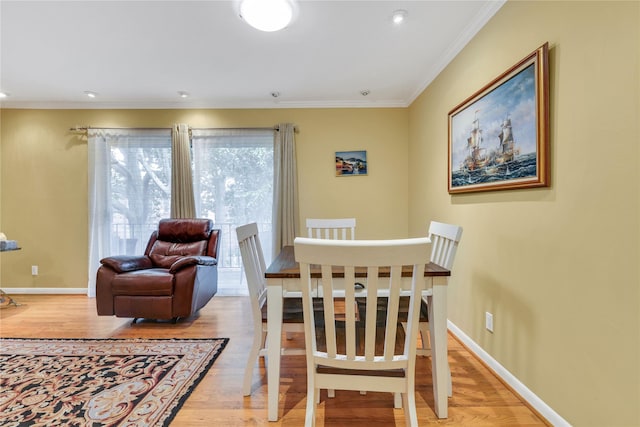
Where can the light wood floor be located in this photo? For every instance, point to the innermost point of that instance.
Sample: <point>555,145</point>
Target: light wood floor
<point>479,398</point>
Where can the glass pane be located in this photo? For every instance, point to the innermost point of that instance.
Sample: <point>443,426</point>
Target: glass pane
<point>233,180</point>
<point>140,188</point>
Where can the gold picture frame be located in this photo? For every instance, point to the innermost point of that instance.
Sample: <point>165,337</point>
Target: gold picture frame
<point>499,136</point>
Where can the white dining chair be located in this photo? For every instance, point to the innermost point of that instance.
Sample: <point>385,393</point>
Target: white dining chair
<point>332,228</point>
<point>347,367</point>
<point>292,318</point>
<point>444,245</point>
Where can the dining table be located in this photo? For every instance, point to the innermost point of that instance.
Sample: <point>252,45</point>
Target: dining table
<point>283,280</point>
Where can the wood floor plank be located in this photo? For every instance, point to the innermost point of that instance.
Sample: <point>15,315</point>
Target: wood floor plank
<point>479,397</point>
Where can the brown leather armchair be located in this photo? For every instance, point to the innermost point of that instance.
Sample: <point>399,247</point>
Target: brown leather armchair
<point>176,276</point>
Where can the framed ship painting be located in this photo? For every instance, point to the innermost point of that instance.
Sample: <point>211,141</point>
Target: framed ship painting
<point>351,163</point>
<point>499,137</point>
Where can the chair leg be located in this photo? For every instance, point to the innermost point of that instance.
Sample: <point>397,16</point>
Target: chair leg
<point>409,403</point>
<point>258,343</point>
<point>425,350</point>
<point>133,322</point>
<point>313,395</point>
<point>423,328</point>
<point>397,400</point>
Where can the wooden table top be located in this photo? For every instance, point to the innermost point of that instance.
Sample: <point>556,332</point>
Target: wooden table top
<point>286,267</point>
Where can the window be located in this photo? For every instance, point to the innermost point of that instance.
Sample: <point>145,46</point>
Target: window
<point>130,191</point>
<point>140,183</point>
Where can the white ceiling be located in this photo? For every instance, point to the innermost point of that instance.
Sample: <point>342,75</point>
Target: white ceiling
<point>140,54</point>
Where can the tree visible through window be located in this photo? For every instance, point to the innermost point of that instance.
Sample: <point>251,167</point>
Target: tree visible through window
<point>140,192</point>
<point>233,183</point>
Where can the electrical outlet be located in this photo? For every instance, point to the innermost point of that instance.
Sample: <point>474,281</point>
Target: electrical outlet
<point>34,270</point>
<point>488,321</point>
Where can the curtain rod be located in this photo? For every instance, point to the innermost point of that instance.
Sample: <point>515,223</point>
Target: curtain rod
<point>86,128</point>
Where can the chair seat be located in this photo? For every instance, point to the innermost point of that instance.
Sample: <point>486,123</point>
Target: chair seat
<point>292,311</point>
<point>403,310</point>
<point>149,282</point>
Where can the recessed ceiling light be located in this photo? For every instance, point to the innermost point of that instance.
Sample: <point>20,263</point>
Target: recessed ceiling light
<point>183,94</point>
<point>275,94</point>
<point>365,92</point>
<point>267,15</point>
<point>399,16</point>
<point>90,94</point>
<point>3,94</point>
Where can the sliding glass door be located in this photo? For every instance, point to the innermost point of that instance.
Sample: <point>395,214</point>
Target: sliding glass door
<point>233,183</point>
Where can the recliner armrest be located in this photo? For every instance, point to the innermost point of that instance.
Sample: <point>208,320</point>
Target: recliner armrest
<point>192,260</point>
<point>124,263</point>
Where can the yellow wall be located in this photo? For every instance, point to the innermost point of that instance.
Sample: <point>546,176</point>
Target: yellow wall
<point>44,177</point>
<point>557,267</point>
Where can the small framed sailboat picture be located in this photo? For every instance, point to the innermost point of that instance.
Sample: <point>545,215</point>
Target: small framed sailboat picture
<point>499,137</point>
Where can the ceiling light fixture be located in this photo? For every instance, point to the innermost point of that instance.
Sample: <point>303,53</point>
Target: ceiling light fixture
<point>3,94</point>
<point>399,16</point>
<point>365,92</point>
<point>90,94</point>
<point>267,15</point>
<point>275,94</point>
<point>183,94</point>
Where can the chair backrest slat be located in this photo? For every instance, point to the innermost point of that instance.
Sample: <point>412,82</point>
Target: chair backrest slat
<point>350,313</point>
<point>392,312</point>
<point>332,228</point>
<point>371,314</point>
<point>329,311</point>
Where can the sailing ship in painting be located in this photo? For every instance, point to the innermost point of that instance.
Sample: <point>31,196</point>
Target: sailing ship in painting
<point>503,162</point>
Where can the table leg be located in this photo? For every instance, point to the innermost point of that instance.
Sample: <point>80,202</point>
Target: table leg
<point>437,304</point>
<point>274,341</point>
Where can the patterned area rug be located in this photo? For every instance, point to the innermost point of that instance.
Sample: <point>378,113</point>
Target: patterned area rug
<point>107,382</point>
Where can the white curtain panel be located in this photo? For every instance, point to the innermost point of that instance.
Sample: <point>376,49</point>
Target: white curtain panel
<point>285,187</point>
<point>233,180</point>
<point>182,201</point>
<point>99,160</point>
<point>129,191</point>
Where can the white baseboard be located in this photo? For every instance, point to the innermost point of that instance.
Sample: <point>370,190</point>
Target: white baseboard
<point>43,291</point>
<point>545,410</point>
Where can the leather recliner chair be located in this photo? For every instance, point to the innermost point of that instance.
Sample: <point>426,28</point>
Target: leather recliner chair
<point>176,276</point>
